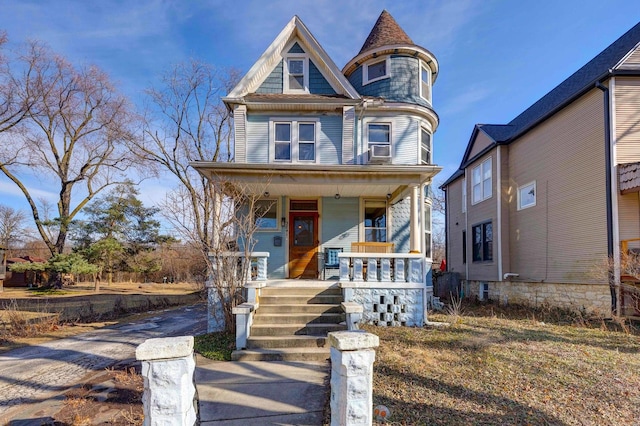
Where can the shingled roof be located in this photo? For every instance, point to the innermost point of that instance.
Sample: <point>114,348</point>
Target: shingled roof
<point>583,80</point>
<point>385,32</point>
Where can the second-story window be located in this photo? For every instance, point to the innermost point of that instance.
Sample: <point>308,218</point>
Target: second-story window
<point>283,141</point>
<point>425,146</point>
<point>481,182</point>
<point>294,141</point>
<point>306,141</point>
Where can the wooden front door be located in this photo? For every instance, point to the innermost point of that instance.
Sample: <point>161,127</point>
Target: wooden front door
<point>303,245</point>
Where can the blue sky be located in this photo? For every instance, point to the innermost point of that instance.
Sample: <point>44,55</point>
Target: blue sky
<point>496,57</point>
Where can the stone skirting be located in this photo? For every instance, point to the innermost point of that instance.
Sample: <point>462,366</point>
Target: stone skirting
<point>584,297</point>
<point>392,304</point>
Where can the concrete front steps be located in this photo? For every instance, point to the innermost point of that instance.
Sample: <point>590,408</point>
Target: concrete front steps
<point>292,323</point>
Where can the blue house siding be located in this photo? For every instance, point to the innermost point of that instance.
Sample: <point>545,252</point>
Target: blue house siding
<point>273,83</point>
<point>276,261</point>
<point>318,85</point>
<point>340,222</point>
<point>257,138</point>
<point>401,225</point>
<point>403,85</point>
<point>329,147</point>
<point>405,140</point>
<point>296,49</point>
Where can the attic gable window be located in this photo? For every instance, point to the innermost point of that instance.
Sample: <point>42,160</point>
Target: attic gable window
<point>376,70</point>
<point>296,74</point>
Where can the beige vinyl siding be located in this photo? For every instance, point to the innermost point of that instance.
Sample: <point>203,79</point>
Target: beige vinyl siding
<point>481,142</point>
<point>564,234</point>
<point>632,61</point>
<point>629,216</point>
<point>505,197</point>
<point>627,121</point>
<point>481,212</point>
<point>455,226</point>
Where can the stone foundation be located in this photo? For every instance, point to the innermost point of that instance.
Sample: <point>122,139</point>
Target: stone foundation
<point>594,298</point>
<point>393,305</point>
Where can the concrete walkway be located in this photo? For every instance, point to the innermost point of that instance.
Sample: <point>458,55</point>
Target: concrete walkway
<point>261,393</point>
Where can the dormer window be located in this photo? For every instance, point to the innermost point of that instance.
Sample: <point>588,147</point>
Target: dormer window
<point>296,74</point>
<point>375,70</point>
<point>425,82</point>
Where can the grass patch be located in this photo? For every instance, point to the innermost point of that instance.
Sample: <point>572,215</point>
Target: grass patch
<point>509,366</point>
<point>217,346</point>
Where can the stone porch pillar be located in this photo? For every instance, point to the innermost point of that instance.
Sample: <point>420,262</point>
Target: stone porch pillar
<point>352,356</point>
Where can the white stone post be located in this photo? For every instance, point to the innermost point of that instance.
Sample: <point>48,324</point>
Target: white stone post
<point>168,367</point>
<point>244,321</point>
<point>352,357</point>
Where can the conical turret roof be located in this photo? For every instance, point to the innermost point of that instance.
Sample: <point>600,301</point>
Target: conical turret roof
<point>385,32</point>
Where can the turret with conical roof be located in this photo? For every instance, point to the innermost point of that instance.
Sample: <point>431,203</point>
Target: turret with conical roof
<point>391,66</point>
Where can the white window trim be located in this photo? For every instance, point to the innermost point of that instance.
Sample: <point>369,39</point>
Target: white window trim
<point>535,195</point>
<point>427,130</point>
<point>305,70</point>
<point>378,122</point>
<point>422,95</point>
<point>365,70</point>
<point>388,213</point>
<point>294,122</point>
<point>483,196</point>
<point>278,215</point>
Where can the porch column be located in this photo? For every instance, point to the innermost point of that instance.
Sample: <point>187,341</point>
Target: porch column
<point>414,239</point>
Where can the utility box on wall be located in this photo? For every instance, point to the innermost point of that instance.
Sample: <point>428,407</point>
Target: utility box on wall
<point>277,241</point>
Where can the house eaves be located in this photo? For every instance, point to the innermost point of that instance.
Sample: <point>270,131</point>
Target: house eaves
<point>295,29</point>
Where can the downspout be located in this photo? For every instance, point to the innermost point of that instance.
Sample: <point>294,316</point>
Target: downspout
<point>609,196</point>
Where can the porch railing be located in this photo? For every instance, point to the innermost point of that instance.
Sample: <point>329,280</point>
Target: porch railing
<point>382,267</point>
<point>256,266</point>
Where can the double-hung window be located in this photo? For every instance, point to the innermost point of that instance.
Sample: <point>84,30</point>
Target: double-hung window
<point>425,82</point>
<point>482,242</point>
<point>425,146</point>
<point>375,221</point>
<point>379,141</point>
<point>296,74</point>
<point>294,141</point>
<point>481,182</point>
<point>376,70</point>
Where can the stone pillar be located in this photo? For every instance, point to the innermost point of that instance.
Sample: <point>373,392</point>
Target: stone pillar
<point>168,367</point>
<point>352,356</point>
<point>244,321</point>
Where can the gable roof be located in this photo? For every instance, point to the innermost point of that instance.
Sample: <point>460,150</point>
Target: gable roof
<point>607,63</point>
<point>385,32</point>
<point>294,30</point>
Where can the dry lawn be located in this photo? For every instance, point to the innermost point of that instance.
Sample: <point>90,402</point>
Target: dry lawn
<point>508,367</point>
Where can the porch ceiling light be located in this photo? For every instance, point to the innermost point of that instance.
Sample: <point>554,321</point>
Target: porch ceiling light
<point>266,193</point>
<point>337,196</point>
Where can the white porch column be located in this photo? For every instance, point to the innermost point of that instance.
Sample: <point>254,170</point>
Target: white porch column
<point>414,239</point>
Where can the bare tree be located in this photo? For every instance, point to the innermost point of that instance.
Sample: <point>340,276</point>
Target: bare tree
<point>72,137</point>
<point>13,107</point>
<point>12,228</point>
<point>186,121</point>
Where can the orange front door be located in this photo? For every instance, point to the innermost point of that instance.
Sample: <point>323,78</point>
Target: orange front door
<point>303,245</point>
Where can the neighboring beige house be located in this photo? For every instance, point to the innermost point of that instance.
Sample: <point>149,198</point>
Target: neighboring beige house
<point>527,211</point>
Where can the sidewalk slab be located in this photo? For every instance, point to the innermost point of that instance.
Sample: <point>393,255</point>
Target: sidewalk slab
<point>260,392</point>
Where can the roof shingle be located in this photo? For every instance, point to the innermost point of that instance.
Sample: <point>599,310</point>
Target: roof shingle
<point>385,32</point>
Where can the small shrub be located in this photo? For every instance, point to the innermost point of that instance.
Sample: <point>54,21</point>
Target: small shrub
<point>217,346</point>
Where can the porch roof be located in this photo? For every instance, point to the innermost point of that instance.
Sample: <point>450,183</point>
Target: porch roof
<point>315,180</point>
<point>629,177</point>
